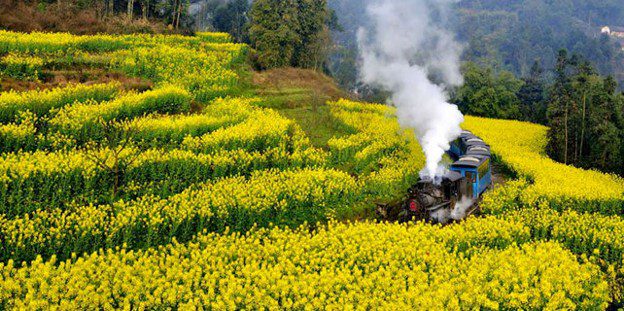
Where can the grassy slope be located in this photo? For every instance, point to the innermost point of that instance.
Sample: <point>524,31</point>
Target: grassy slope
<point>300,95</point>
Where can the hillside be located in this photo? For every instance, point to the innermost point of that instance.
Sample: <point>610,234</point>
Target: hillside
<point>506,35</point>
<point>216,187</point>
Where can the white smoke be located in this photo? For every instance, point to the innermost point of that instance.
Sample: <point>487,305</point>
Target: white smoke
<point>459,212</point>
<point>403,50</point>
<point>461,209</point>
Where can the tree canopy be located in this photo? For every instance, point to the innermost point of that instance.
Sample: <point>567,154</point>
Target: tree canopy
<point>290,32</point>
<point>487,94</point>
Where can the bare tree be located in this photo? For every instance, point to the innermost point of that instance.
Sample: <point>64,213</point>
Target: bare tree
<point>108,7</point>
<point>121,153</point>
<point>174,8</point>
<point>130,8</point>
<point>179,12</point>
<point>145,8</point>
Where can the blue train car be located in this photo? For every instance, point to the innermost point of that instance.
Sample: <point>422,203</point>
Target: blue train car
<point>465,142</point>
<point>478,173</point>
<point>472,142</point>
<point>455,152</point>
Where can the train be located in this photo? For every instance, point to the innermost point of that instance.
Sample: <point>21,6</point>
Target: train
<point>457,193</point>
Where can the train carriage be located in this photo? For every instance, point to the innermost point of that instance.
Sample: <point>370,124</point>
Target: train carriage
<point>455,151</point>
<point>479,150</point>
<point>476,169</point>
<point>464,143</point>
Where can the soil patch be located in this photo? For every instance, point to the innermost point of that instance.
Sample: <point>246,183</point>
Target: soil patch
<point>277,80</point>
<point>59,78</point>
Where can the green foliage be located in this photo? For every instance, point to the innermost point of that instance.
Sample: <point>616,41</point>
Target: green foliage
<point>505,35</point>
<point>532,96</point>
<point>273,32</point>
<point>585,116</point>
<point>487,94</point>
<point>231,17</point>
<point>290,33</point>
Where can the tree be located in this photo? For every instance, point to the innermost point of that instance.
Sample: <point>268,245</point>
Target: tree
<point>605,129</point>
<point>173,11</point>
<point>618,112</point>
<point>290,32</point>
<point>585,117</point>
<point>488,95</point>
<point>145,9</point>
<point>558,110</point>
<point>232,18</point>
<point>584,84</point>
<point>130,9</point>
<point>532,97</point>
<point>313,16</point>
<point>273,32</point>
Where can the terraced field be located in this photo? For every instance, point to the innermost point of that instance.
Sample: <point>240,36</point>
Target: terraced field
<point>206,192</point>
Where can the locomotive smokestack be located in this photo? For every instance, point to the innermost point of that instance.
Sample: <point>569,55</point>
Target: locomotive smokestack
<point>404,50</point>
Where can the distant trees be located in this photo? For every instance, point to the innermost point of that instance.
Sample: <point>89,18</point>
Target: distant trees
<point>231,16</point>
<point>507,35</point>
<point>487,94</point>
<point>291,32</point>
<point>172,12</point>
<point>585,114</point>
<point>532,96</point>
<point>512,34</point>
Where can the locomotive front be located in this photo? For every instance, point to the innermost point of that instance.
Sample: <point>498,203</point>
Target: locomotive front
<point>435,201</point>
<point>454,195</point>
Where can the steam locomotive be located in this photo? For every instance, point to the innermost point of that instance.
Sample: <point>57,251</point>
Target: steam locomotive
<point>456,194</point>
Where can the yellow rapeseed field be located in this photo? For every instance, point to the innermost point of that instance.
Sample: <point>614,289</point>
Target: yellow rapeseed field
<point>190,195</point>
<point>363,266</point>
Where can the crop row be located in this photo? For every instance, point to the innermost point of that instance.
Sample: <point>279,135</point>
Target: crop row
<point>357,266</point>
<point>41,103</point>
<point>33,180</point>
<point>206,74</point>
<point>259,132</point>
<point>21,67</point>
<point>198,64</point>
<point>38,42</point>
<point>596,237</point>
<point>40,181</point>
<point>32,133</point>
<point>89,121</point>
<point>377,134</point>
<point>267,197</point>
<point>84,121</point>
<point>386,158</point>
<point>587,234</point>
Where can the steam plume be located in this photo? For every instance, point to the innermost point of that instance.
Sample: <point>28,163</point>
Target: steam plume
<point>404,50</point>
